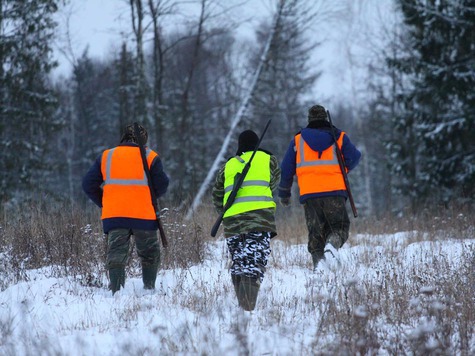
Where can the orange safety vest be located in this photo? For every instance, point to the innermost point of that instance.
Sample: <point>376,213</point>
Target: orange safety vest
<point>126,190</point>
<point>318,174</point>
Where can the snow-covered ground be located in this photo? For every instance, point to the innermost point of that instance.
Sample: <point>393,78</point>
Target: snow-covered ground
<point>381,301</point>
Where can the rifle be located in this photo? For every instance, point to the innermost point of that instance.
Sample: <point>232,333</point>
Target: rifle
<point>238,180</point>
<point>342,167</point>
<point>163,237</point>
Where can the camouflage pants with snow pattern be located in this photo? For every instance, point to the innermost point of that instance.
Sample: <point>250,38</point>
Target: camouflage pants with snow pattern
<point>249,253</point>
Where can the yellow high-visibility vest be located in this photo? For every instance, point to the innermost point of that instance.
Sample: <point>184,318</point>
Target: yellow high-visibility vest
<point>255,192</point>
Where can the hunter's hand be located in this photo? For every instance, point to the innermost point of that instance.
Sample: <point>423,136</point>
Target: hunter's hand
<point>285,202</point>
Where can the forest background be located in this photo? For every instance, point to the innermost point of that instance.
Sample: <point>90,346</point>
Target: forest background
<point>397,76</point>
<point>410,107</point>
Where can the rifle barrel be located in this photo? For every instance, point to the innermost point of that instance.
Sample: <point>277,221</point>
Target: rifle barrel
<point>342,168</point>
<point>163,237</point>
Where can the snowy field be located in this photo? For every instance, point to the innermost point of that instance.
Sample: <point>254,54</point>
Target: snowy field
<point>392,294</point>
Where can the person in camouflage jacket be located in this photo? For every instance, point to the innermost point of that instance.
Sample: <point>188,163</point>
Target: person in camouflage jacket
<point>249,224</point>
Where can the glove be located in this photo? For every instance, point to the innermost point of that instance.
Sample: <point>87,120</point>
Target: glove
<point>285,201</point>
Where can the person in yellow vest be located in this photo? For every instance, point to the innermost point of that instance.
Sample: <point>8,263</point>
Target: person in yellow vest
<point>311,156</point>
<point>249,224</point>
<point>117,183</point>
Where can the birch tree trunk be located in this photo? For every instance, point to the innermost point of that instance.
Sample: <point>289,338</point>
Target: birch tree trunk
<point>237,118</point>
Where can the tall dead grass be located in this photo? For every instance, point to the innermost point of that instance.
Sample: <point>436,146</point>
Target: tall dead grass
<point>401,308</point>
<point>69,240</point>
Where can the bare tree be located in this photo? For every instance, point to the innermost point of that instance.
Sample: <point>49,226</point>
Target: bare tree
<point>158,9</point>
<point>137,18</point>
<point>238,117</point>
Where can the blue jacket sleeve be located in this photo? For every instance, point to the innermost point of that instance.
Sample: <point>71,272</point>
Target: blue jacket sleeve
<point>160,179</point>
<point>92,182</point>
<point>350,153</point>
<point>287,171</point>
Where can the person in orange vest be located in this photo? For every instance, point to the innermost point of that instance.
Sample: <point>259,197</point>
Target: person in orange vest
<point>117,183</point>
<point>249,224</point>
<point>311,156</point>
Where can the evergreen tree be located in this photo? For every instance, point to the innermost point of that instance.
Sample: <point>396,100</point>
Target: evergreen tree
<point>95,100</point>
<point>438,113</point>
<point>27,102</point>
<point>388,151</point>
<point>126,86</point>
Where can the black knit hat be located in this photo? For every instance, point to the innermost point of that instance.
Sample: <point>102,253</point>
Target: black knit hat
<point>317,112</point>
<point>128,134</point>
<point>247,141</point>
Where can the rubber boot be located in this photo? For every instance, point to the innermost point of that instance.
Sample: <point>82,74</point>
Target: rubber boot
<point>331,250</point>
<point>316,258</point>
<point>334,240</point>
<point>247,294</point>
<point>117,279</point>
<point>236,282</point>
<point>149,275</point>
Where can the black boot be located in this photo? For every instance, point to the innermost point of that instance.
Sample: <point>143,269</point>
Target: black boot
<point>247,293</point>
<point>236,282</point>
<point>149,275</point>
<point>117,279</point>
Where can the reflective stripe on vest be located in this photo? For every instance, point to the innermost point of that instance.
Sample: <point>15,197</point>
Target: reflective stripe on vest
<point>255,192</point>
<point>109,180</point>
<point>317,162</point>
<point>318,172</point>
<point>126,191</point>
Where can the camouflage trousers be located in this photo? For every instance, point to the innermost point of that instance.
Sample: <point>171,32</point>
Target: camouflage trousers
<point>249,253</point>
<point>148,248</point>
<point>324,216</point>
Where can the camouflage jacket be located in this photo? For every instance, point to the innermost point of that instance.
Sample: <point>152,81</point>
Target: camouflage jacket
<point>255,220</point>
